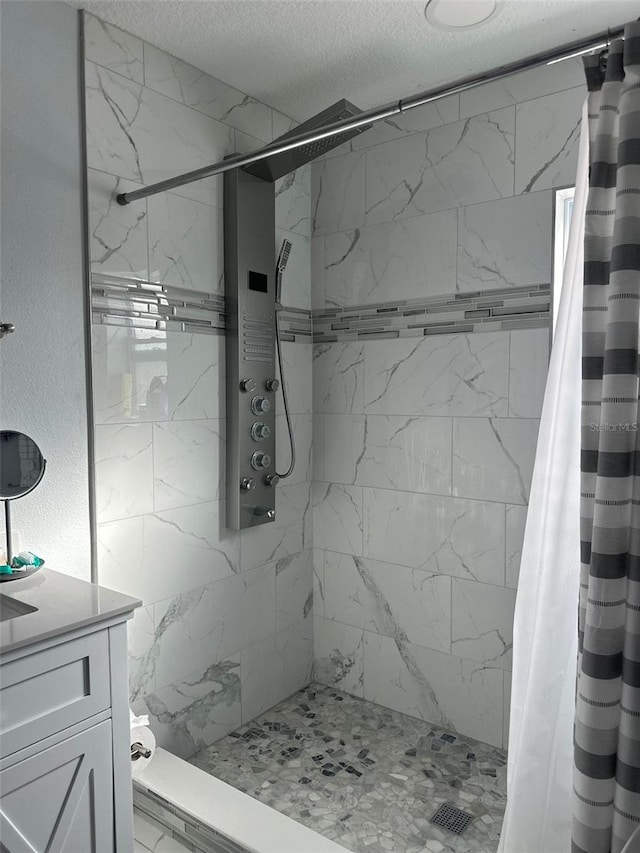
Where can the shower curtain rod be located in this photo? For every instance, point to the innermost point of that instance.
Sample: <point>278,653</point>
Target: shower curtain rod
<point>549,57</point>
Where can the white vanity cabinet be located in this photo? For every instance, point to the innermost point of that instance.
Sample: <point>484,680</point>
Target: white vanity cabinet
<point>65,776</point>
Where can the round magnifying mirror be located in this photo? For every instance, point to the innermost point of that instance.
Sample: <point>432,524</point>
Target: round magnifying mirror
<point>21,465</point>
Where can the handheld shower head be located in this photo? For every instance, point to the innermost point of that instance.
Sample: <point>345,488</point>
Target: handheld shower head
<point>283,258</point>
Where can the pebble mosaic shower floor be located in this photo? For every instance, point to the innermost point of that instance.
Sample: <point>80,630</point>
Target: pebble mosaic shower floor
<point>363,776</point>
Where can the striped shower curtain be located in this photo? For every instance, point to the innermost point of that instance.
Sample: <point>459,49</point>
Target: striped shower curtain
<point>606,810</point>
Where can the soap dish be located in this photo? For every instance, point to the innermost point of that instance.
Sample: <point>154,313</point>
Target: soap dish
<point>18,576</point>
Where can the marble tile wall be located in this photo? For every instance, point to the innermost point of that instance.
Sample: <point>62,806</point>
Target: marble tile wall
<point>226,627</point>
<point>451,197</point>
<point>420,449</point>
<point>424,446</point>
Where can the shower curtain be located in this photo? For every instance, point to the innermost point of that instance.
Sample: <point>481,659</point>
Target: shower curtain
<point>538,815</point>
<point>574,747</point>
<point>606,803</point>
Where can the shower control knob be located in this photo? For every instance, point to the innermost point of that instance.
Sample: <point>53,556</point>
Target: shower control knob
<point>260,460</point>
<point>272,480</point>
<point>248,384</point>
<point>265,510</point>
<point>272,384</point>
<point>260,405</point>
<point>247,484</point>
<point>260,431</point>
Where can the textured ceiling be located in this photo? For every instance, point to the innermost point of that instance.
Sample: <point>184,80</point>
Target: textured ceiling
<point>302,55</point>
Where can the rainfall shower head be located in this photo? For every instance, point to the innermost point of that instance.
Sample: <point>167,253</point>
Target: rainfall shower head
<point>272,168</point>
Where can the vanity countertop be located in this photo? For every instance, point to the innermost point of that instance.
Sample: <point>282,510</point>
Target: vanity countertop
<point>64,603</point>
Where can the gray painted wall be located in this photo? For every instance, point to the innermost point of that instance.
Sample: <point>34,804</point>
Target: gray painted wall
<point>42,378</point>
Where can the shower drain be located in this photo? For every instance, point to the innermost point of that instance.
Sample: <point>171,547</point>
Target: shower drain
<point>451,818</point>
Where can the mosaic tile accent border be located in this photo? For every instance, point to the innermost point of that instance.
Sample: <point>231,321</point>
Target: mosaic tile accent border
<point>193,835</point>
<point>140,304</point>
<point>296,324</point>
<point>480,311</point>
<point>136,303</point>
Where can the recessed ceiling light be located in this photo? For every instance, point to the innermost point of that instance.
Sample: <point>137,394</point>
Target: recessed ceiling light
<point>459,14</point>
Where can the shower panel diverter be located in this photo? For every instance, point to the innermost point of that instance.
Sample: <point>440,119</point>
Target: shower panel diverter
<point>252,303</point>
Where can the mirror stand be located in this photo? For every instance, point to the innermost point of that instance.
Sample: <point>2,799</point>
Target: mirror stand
<point>7,531</point>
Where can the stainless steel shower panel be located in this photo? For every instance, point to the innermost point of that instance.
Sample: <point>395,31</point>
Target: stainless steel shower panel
<point>250,290</point>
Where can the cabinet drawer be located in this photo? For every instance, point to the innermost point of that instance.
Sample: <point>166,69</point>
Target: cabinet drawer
<point>45,692</point>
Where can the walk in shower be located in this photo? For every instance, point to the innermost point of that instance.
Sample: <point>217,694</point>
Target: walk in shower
<point>347,663</point>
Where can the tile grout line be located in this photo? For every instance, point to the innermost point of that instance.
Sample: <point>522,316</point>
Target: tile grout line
<point>201,112</point>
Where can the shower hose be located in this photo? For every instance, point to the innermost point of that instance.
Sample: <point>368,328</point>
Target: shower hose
<point>285,398</point>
